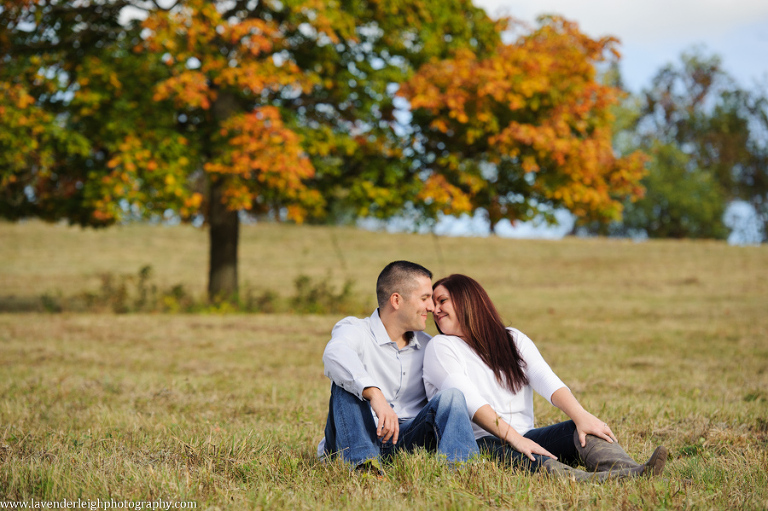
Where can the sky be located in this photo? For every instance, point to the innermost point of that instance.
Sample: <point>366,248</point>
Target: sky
<point>654,33</point>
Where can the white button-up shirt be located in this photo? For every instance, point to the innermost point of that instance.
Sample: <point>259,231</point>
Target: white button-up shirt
<point>360,354</point>
<point>451,363</point>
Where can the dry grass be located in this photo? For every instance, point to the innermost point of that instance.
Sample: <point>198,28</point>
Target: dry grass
<point>665,340</point>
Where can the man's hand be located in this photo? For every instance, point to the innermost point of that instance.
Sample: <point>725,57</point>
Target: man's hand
<point>389,425</point>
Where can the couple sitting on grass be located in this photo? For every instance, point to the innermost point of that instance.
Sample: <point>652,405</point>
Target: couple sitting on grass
<point>466,391</point>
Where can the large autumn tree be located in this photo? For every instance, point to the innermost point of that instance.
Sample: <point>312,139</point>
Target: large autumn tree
<point>130,109</point>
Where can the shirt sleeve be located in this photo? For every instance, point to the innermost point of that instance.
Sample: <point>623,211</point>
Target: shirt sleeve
<point>343,362</point>
<point>444,369</point>
<point>540,376</point>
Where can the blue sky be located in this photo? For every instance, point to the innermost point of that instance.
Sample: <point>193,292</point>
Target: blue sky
<point>655,32</point>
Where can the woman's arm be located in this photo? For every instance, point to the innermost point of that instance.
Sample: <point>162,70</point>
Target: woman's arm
<point>548,385</point>
<point>444,368</point>
<point>586,423</point>
<point>490,421</point>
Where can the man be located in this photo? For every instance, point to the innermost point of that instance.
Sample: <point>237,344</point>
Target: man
<point>378,403</point>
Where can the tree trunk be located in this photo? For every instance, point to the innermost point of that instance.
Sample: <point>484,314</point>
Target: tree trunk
<point>224,236</point>
<point>224,224</point>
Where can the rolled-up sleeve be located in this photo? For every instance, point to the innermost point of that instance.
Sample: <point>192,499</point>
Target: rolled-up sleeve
<point>540,376</point>
<point>443,369</point>
<point>342,361</point>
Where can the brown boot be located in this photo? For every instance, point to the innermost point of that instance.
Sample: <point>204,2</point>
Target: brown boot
<point>655,464</point>
<point>600,456</point>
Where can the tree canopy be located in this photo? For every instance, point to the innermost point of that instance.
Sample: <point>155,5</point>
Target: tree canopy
<point>717,132</point>
<point>681,200</point>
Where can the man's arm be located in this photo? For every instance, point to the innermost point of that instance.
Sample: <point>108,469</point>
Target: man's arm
<point>342,361</point>
<point>389,424</point>
<point>344,367</point>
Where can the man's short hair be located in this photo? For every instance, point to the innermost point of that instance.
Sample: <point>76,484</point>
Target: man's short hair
<point>399,277</point>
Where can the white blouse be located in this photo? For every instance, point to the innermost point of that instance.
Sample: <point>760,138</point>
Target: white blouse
<point>449,363</point>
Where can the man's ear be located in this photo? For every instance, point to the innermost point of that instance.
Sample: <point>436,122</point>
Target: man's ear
<point>395,300</point>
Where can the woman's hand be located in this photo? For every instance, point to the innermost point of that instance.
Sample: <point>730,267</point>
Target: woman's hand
<point>588,424</point>
<point>528,447</point>
<point>490,421</point>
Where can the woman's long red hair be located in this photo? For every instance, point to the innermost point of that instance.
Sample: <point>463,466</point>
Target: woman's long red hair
<point>484,331</point>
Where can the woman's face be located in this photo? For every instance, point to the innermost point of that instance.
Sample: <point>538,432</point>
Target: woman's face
<point>445,316</point>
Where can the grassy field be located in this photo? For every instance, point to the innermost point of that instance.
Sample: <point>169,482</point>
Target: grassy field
<point>667,341</point>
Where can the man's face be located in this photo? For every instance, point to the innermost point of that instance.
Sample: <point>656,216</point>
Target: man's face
<point>417,306</point>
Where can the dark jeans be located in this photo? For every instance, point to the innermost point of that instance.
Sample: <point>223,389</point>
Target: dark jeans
<point>557,439</point>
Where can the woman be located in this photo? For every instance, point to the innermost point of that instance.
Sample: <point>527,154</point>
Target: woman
<point>497,368</point>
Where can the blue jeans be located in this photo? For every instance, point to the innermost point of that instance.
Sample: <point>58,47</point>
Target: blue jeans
<point>557,439</point>
<point>442,425</point>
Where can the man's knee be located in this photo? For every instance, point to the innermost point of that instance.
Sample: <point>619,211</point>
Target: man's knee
<point>451,398</point>
<point>348,408</point>
<point>338,393</point>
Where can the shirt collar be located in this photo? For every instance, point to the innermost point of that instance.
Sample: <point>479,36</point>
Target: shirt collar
<point>381,335</point>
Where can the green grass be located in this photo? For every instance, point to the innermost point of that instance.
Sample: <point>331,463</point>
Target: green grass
<point>667,341</point>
